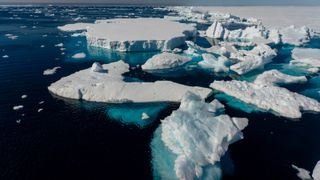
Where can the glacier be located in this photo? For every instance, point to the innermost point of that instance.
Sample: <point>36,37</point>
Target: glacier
<point>143,35</point>
<point>192,140</point>
<point>110,87</point>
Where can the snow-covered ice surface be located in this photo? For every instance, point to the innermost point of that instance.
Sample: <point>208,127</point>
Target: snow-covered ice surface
<point>276,100</point>
<point>140,34</point>
<point>109,87</point>
<point>306,57</point>
<point>275,77</point>
<point>165,60</point>
<point>304,174</point>
<point>193,140</point>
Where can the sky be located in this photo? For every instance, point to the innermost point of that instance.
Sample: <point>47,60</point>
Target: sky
<point>177,2</point>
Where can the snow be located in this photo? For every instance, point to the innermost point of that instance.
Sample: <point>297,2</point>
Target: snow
<point>275,77</point>
<point>217,64</point>
<point>18,107</point>
<point>253,59</point>
<point>51,71</point>
<point>143,35</point>
<point>197,137</point>
<point>276,100</point>
<point>306,57</point>
<point>79,55</point>
<point>165,60</point>
<point>110,87</point>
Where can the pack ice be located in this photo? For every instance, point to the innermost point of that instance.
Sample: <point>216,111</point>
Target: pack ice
<point>306,57</point>
<point>140,34</point>
<point>107,85</point>
<point>193,139</point>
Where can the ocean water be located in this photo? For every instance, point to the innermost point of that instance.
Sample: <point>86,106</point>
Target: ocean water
<point>73,139</point>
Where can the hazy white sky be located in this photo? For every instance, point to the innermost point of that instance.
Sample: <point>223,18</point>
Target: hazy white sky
<point>178,2</point>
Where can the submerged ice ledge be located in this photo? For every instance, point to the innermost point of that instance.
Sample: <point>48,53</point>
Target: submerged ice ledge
<point>140,34</point>
<point>108,86</point>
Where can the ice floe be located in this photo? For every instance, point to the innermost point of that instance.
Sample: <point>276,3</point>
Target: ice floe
<point>110,87</point>
<point>217,64</point>
<point>50,71</point>
<point>79,55</point>
<point>306,57</point>
<point>253,59</point>
<point>295,36</point>
<point>193,140</point>
<point>24,96</point>
<point>143,35</point>
<point>165,60</point>
<point>276,100</point>
<point>5,56</point>
<point>18,107</point>
<point>275,77</point>
<point>305,174</point>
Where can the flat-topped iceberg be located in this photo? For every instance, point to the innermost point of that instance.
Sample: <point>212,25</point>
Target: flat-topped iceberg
<point>109,86</point>
<point>140,34</point>
<point>193,140</point>
<point>165,60</point>
<point>254,59</point>
<point>276,100</point>
<point>306,57</point>
<point>275,77</point>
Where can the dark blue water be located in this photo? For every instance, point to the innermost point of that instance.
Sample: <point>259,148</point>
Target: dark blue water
<point>77,140</point>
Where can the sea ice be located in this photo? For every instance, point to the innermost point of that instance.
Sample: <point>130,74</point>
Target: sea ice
<point>51,71</point>
<point>217,64</point>
<point>253,59</point>
<point>79,55</point>
<point>110,87</point>
<point>18,107</point>
<point>276,100</point>
<point>306,57</point>
<point>195,137</point>
<point>24,96</point>
<point>305,174</point>
<point>295,36</point>
<point>165,60</point>
<point>143,35</point>
<point>275,77</point>
<point>5,56</point>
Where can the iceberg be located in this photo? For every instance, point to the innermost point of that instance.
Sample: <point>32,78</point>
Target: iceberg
<point>306,57</point>
<point>18,107</point>
<point>165,60</point>
<point>275,77</point>
<point>276,100</point>
<point>193,140</point>
<point>143,35</point>
<point>109,86</point>
<point>254,59</point>
<point>79,56</point>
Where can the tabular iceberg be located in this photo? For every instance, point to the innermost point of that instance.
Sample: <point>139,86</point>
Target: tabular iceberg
<point>108,86</point>
<point>138,34</point>
<point>194,138</point>
<point>276,100</point>
<point>165,60</point>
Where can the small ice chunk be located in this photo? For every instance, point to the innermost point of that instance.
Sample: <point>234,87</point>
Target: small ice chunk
<point>217,64</point>
<point>275,77</point>
<point>42,46</point>
<point>144,116</point>
<point>96,67</point>
<point>79,56</point>
<point>165,60</point>
<point>18,107</point>
<point>18,121</point>
<point>40,109</point>
<point>5,56</point>
<point>24,96</point>
<point>51,71</point>
<point>302,173</point>
<point>41,102</point>
<point>59,45</point>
